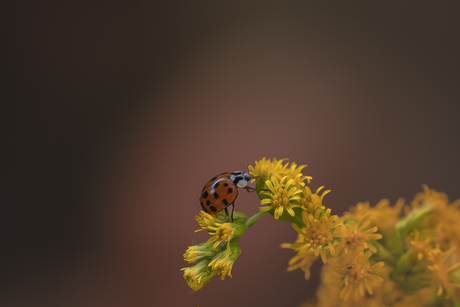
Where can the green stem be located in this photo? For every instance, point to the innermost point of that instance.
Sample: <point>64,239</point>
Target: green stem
<point>250,221</point>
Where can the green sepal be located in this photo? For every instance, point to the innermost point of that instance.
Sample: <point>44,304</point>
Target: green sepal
<point>410,274</point>
<point>235,249</point>
<point>417,219</point>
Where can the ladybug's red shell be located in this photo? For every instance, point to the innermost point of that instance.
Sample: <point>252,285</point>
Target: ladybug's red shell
<point>219,193</point>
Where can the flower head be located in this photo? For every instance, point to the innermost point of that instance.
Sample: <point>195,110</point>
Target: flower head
<point>198,275</point>
<point>282,195</point>
<point>220,231</point>
<point>304,258</point>
<point>442,271</point>
<point>265,168</point>
<point>210,222</point>
<point>447,227</point>
<point>312,201</point>
<point>223,262</point>
<point>356,235</point>
<point>382,215</point>
<point>439,200</point>
<point>224,232</point>
<point>197,252</point>
<point>294,172</point>
<point>355,271</point>
<point>319,232</point>
<point>420,247</point>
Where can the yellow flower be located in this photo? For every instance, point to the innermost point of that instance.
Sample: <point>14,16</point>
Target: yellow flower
<point>222,233</point>
<point>294,172</point>
<point>223,262</point>
<point>218,229</point>
<point>319,232</point>
<point>197,252</point>
<point>439,200</point>
<point>442,271</point>
<point>355,271</point>
<point>382,215</point>
<point>265,168</point>
<point>281,196</point>
<point>210,222</point>
<point>198,275</point>
<point>312,201</point>
<point>222,265</point>
<point>420,249</point>
<point>355,235</point>
<point>386,293</point>
<point>304,258</point>
<point>446,225</point>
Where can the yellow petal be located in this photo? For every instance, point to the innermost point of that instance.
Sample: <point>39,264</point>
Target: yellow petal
<point>270,186</point>
<point>290,211</point>
<point>266,201</point>
<point>265,209</point>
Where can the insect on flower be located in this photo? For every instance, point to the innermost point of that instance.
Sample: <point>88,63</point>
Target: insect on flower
<point>221,191</point>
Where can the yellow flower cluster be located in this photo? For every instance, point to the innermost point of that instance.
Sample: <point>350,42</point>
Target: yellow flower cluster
<point>419,250</point>
<point>283,187</point>
<point>209,258</point>
<point>319,233</point>
<point>401,255</point>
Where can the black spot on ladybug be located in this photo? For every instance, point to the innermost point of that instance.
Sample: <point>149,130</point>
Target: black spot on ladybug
<point>202,207</point>
<point>213,209</point>
<point>205,194</point>
<point>230,190</point>
<point>237,179</point>
<point>226,185</point>
<point>216,195</point>
<point>225,202</point>
<point>214,178</point>
<point>208,203</point>
<point>215,185</point>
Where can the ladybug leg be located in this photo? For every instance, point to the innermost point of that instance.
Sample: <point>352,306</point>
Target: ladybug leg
<point>251,189</point>
<point>226,211</point>
<point>233,208</point>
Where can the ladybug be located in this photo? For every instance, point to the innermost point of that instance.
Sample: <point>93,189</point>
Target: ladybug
<point>221,191</point>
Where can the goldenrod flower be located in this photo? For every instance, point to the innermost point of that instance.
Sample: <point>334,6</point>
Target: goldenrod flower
<point>420,248</point>
<point>442,271</point>
<point>304,258</point>
<point>281,196</point>
<point>223,262</point>
<point>355,271</point>
<point>319,232</point>
<point>294,172</point>
<point>210,222</point>
<point>197,252</point>
<point>221,231</point>
<point>382,215</point>
<point>224,232</point>
<point>385,293</point>
<point>312,201</point>
<point>356,235</point>
<point>265,168</point>
<point>446,225</point>
<point>439,200</point>
<point>198,275</point>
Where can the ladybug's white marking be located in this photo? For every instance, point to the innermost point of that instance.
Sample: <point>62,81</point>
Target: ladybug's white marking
<point>242,183</point>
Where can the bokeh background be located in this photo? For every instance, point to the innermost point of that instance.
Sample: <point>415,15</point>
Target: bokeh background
<point>117,113</point>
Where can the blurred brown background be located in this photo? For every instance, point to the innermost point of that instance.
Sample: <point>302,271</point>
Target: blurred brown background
<point>117,113</point>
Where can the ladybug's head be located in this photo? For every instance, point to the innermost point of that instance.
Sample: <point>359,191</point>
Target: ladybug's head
<point>240,178</point>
